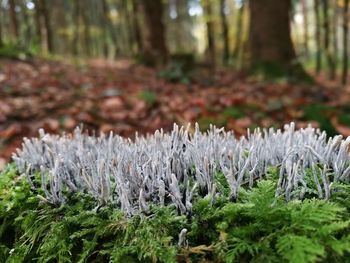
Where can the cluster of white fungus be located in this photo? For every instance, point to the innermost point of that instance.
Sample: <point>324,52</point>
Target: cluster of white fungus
<point>180,166</point>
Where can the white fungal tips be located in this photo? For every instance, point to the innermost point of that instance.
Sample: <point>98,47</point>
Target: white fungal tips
<point>180,166</point>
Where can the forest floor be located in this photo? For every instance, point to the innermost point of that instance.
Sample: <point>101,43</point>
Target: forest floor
<point>127,97</point>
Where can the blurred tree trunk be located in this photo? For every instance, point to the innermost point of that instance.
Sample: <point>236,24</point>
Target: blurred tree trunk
<point>108,29</point>
<point>271,46</point>
<point>105,27</point>
<point>26,28</point>
<point>225,36</point>
<point>345,41</point>
<point>48,29</point>
<point>128,27</point>
<point>136,25</point>
<point>13,21</point>
<point>318,36</point>
<point>305,12</point>
<point>326,39</point>
<point>155,51</point>
<point>87,31</point>
<point>43,25</point>
<point>76,19</point>
<point>335,36</point>
<point>238,38</point>
<point>1,30</point>
<point>38,26</point>
<point>211,49</point>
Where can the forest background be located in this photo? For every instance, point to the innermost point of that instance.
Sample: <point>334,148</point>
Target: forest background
<point>141,65</point>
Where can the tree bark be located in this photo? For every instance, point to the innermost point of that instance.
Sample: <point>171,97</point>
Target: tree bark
<point>211,49</point>
<point>87,31</point>
<point>155,51</point>
<point>105,26</point>
<point>38,26</point>
<point>270,38</point>
<point>225,35</point>
<point>335,37</point>
<point>14,21</point>
<point>47,24</point>
<point>1,30</point>
<point>76,38</point>
<point>345,41</point>
<point>43,25</point>
<point>238,38</point>
<point>136,25</point>
<point>306,26</point>
<point>127,25</point>
<point>24,30</point>
<point>108,28</point>
<point>318,36</point>
<point>326,39</point>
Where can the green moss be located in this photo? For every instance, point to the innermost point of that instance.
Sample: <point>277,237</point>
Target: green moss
<point>258,227</point>
<point>234,112</point>
<point>268,71</point>
<point>149,97</point>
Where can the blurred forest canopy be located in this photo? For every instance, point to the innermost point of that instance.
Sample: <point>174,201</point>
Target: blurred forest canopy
<point>269,37</point>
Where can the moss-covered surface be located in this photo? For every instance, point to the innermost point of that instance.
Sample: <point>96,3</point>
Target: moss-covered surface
<point>256,227</point>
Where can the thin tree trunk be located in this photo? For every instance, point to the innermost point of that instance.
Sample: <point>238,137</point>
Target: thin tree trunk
<point>1,30</point>
<point>108,27</point>
<point>345,41</point>
<point>43,25</point>
<point>38,22</point>
<point>14,21</point>
<point>318,36</point>
<point>326,39</point>
<point>87,31</point>
<point>306,26</point>
<point>105,13</point>
<point>26,28</point>
<point>225,35</point>
<point>47,24</point>
<point>136,25</point>
<point>58,22</point>
<point>155,51</point>
<point>335,36</point>
<point>76,38</point>
<point>129,35</point>
<point>238,38</point>
<point>211,49</point>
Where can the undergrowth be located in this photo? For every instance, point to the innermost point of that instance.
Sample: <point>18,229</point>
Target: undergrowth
<point>258,226</point>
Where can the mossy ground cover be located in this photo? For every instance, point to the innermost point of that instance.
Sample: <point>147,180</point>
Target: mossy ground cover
<point>258,226</point>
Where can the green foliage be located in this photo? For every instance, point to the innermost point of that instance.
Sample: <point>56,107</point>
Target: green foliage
<point>257,227</point>
<point>221,118</point>
<point>179,68</point>
<point>344,116</point>
<point>14,52</point>
<point>204,122</point>
<point>222,184</point>
<point>322,114</point>
<point>262,227</point>
<point>233,112</point>
<point>269,71</point>
<point>175,73</point>
<point>149,97</point>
